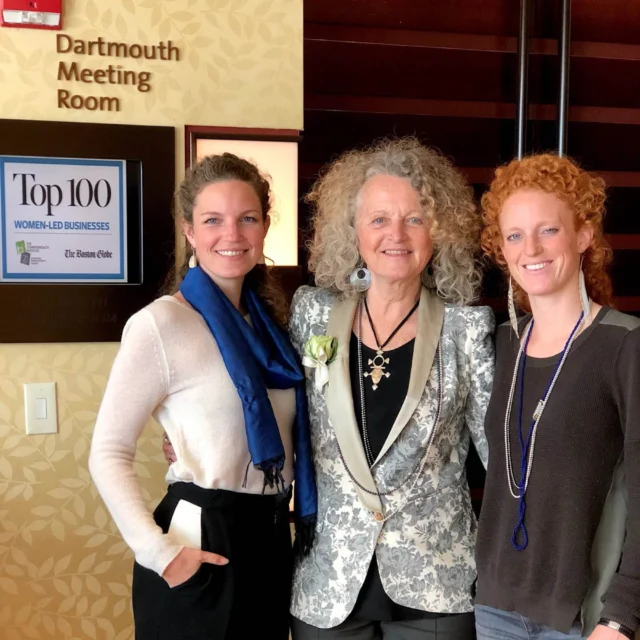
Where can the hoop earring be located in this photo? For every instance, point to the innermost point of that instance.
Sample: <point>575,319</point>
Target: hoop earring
<point>360,279</point>
<point>428,277</point>
<point>513,317</point>
<point>585,301</point>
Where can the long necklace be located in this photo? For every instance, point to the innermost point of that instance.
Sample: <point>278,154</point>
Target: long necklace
<point>527,447</point>
<point>378,365</point>
<point>420,464</point>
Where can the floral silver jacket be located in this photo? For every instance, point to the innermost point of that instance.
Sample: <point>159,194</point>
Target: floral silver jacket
<point>423,534</point>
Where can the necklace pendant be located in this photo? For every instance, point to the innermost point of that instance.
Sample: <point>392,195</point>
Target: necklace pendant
<point>539,409</point>
<point>377,369</point>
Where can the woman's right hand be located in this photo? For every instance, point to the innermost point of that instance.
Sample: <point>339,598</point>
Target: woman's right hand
<point>187,562</point>
<point>167,449</point>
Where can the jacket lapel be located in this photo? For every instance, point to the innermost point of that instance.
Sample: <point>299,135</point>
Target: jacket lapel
<point>430,319</point>
<point>340,403</point>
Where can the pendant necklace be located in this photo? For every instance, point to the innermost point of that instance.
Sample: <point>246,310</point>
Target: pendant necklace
<point>378,365</point>
<point>520,538</point>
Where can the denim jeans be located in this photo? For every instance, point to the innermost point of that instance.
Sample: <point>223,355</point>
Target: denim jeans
<point>494,624</point>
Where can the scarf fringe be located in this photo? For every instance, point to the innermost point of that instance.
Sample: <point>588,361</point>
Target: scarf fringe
<point>272,470</point>
<point>305,535</point>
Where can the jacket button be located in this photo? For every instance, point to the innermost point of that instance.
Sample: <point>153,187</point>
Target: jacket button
<point>378,516</point>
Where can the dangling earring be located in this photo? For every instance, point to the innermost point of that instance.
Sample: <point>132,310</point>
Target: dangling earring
<point>584,296</point>
<point>513,317</point>
<point>428,277</point>
<point>193,261</point>
<point>360,278</point>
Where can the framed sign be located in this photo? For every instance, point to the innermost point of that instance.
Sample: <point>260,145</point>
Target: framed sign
<point>62,220</point>
<point>86,228</point>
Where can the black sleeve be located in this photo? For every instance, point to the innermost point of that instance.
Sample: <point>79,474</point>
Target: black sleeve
<point>622,599</point>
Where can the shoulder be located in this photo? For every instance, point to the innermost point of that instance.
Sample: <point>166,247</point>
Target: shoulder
<point>310,304</point>
<point>168,311</point>
<point>618,332</point>
<point>470,321</point>
<point>627,336</point>
<point>306,298</point>
<point>161,320</point>
<point>616,318</point>
<point>309,313</point>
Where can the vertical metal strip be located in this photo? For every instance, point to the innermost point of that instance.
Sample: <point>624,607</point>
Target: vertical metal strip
<point>563,89</point>
<point>523,79</point>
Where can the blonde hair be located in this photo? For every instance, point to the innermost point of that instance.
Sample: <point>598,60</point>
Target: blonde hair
<point>444,194</point>
<point>583,192</point>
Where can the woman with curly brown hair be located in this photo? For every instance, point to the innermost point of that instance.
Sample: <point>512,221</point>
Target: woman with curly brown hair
<point>558,548</point>
<point>213,364</point>
<point>399,374</point>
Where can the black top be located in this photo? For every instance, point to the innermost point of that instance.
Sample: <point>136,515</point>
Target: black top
<point>591,420</point>
<point>382,408</point>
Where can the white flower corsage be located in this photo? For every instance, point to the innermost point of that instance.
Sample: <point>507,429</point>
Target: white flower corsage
<point>319,353</point>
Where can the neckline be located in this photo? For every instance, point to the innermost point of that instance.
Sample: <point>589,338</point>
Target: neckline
<point>552,360</point>
<point>375,349</point>
<point>171,298</point>
<point>186,305</point>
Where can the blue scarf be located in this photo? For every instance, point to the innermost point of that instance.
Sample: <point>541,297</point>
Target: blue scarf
<point>258,359</point>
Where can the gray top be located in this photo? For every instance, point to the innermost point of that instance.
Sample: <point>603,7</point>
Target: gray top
<point>587,457</point>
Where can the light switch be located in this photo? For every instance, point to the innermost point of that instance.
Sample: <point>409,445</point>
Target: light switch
<point>40,408</point>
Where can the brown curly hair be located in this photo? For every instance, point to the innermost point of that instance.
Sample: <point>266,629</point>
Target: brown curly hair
<point>582,191</point>
<point>218,168</point>
<point>444,194</point>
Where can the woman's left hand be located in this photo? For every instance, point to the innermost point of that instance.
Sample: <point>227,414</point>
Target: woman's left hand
<point>167,449</point>
<point>605,633</point>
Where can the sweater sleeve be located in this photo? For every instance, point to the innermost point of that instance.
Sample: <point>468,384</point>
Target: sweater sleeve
<point>480,351</point>
<point>622,599</point>
<point>138,383</point>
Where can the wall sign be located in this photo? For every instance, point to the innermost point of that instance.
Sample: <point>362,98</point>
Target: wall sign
<point>62,220</point>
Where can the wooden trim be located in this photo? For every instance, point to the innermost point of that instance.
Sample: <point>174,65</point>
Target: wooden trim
<point>478,175</point>
<point>193,133</point>
<point>624,241</point>
<point>627,303</point>
<point>409,106</point>
<point>484,175</point>
<point>620,178</point>
<point>464,108</point>
<point>315,32</point>
<point>622,303</point>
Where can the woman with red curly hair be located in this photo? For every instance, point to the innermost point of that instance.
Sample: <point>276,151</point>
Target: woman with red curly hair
<point>558,547</point>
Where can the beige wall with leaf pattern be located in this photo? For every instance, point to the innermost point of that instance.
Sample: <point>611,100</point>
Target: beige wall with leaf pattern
<point>64,570</point>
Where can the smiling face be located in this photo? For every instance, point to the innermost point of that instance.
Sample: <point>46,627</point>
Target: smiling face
<point>393,231</point>
<point>541,244</point>
<point>228,229</point>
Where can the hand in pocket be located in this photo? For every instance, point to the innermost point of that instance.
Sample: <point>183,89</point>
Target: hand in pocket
<point>187,562</point>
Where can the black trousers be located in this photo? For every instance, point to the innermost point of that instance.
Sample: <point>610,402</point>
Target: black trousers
<point>248,598</point>
<point>454,627</point>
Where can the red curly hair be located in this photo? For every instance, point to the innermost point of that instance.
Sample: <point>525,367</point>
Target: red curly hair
<point>583,192</point>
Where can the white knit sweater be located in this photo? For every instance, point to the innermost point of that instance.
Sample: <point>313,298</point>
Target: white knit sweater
<point>169,367</point>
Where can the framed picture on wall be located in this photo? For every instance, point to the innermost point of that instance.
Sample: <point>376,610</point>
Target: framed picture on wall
<point>275,152</point>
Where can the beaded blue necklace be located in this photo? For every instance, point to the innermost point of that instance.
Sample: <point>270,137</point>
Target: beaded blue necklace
<point>520,537</point>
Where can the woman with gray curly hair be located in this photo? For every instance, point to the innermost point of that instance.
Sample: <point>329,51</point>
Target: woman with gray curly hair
<point>399,374</point>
